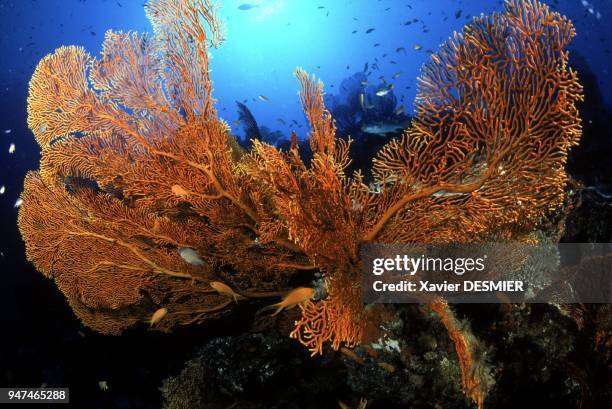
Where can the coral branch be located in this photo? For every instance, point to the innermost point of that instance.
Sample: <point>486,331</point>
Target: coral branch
<point>496,108</point>
<point>475,373</point>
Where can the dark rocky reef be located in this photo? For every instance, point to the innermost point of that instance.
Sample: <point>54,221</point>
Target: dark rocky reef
<point>541,356</point>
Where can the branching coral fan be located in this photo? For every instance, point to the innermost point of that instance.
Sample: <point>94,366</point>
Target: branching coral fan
<point>136,165</point>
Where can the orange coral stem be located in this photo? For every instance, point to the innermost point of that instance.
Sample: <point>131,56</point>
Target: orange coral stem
<point>156,268</point>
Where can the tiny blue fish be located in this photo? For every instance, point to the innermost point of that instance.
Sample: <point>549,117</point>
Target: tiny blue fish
<point>191,256</point>
<point>247,6</point>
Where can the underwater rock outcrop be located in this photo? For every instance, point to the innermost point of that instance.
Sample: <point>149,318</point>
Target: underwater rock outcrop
<point>253,131</point>
<point>144,201</point>
<point>267,370</point>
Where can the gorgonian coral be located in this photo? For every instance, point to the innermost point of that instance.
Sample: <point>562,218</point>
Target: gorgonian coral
<point>136,166</point>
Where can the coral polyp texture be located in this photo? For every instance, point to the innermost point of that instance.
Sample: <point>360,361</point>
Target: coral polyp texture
<point>137,168</point>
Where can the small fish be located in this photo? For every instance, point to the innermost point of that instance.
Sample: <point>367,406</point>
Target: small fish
<point>157,316</point>
<point>458,13</point>
<point>352,355</point>
<point>179,191</point>
<point>282,121</point>
<point>384,128</point>
<point>263,98</point>
<point>361,101</point>
<point>343,405</point>
<point>8,131</point>
<point>103,385</point>
<point>444,193</point>
<point>364,83</point>
<point>2,189</point>
<point>376,45</point>
<point>225,289</point>
<point>365,67</point>
<point>398,49</point>
<point>12,148</point>
<point>18,202</point>
<point>247,6</point>
<point>396,75</point>
<point>191,256</point>
<point>384,91</point>
<point>369,30</point>
<point>353,32</point>
<point>387,367</point>
<point>399,110</point>
<point>296,297</point>
<point>418,47</point>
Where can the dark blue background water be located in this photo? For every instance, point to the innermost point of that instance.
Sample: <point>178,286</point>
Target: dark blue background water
<point>39,338</point>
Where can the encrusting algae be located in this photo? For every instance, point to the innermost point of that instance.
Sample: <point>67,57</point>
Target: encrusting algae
<point>136,165</point>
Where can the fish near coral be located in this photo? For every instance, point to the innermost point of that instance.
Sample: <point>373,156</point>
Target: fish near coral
<point>298,296</point>
<point>179,191</point>
<point>225,289</point>
<point>191,256</point>
<point>157,316</point>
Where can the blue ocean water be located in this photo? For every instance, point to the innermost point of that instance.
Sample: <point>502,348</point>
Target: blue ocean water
<point>268,39</point>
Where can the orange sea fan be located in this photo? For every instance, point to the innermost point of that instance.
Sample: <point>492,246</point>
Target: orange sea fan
<point>118,134</point>
<point>136,165</point>
<point>495,117</point>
